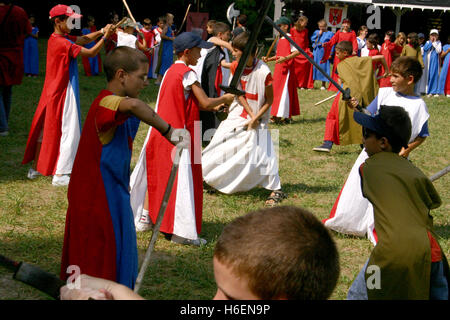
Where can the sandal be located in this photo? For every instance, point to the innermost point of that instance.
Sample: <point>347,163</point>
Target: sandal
<point>275,197</point>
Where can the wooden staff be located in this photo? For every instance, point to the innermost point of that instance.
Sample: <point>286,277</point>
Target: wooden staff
<point>271,46</point>
<point>184,19</point>
<point>119,23</point>
<point>326,99</point>
<point>440,174</point>
<point>129,11</point>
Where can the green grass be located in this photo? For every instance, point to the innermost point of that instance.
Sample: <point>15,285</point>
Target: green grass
<point>32,213</point>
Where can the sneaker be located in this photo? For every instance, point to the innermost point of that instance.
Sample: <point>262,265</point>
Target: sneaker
<point>436,95</point>
<point>325,147</point>
<point>4,133</point>
<point>60,181</point>
<point>323,88</point>
<point>180,240</point>
<point>33,174</point>
<point>144,223</point>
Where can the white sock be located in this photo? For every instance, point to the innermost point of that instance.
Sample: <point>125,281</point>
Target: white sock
<point>145,217</point>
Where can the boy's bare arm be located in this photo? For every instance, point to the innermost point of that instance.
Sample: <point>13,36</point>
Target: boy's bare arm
<point>225,64</point>
<point>210,104</point>
<point>265,107</point>
<point>142,111</point>
<point>219,42</point>
<point>87,38</point>
<point>92,52</point>
<point>244,103</point>
<point>288,57</point>
<point>383,61</point>
<point>411,146</point>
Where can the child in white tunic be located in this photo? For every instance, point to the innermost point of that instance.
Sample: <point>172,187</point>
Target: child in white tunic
<point>352,213</point>
<point>241,154</point>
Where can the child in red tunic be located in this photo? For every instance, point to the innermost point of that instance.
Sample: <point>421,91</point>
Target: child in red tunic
<point>303,68</point>
<point>100,237</point>
<point>345,34</point>
<point>285,98</point>
<point>56,126</point>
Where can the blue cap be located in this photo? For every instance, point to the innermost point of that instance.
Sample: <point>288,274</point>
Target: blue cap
<point>188,40</point>
<point>421,35</point>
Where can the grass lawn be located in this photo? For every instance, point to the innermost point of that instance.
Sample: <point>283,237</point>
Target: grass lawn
<point>32,213</point>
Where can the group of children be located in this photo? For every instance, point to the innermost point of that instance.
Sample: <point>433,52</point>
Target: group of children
<point>103,214</point>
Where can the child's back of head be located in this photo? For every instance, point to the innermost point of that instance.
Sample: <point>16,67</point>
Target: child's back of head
<point>413,39</point>
<point>283,253</point>
<point>345,46</point>
<point>391,122</point>
<point>220,27</point>
<point>125,58</point>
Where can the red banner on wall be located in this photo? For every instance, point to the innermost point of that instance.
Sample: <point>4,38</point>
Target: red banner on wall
<point>196,22</point>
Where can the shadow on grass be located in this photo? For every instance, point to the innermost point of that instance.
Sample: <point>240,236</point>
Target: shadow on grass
<point>311,120</point>
<point>261,194</point>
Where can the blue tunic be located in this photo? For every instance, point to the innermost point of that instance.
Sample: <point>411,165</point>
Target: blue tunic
<point>93,62</point>
<point>433,67</point>
<point>31,54</point>
<point>166,53</point>
<point>318,50</point>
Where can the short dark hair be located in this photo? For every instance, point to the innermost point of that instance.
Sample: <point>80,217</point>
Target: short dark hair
<point>220,27</point>
<point>345,46</point>
<point>241,40</point>
<point>398,123</point>
<point>413,39</point>
<point>373,39</point>
<point>62,17</point>
<point>242,19</point>
<point>362,28</point>
<point>283,252</point>
<point>407,66</point>
<point>125,58</point>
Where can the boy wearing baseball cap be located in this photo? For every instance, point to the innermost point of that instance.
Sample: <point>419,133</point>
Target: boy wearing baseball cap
<point>179,100</point>
<point>56,126</point>
<point>407,262</point>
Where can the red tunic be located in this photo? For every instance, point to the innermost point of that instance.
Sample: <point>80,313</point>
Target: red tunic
<point>61,75</point>
<point>303,68</point>
<point>338,37</point>
<point>180,112</point>
<point>12,39</point>
<point>374,52</point>
<point>387,50</point>
<point>280,76</point>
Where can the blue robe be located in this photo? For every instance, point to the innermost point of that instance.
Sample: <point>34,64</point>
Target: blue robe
<point>444,71</point>
<point>166,53</point>
<point>93,62</point>
<point>433,67</point>
<point>318,50</point>
<point>31,54</point>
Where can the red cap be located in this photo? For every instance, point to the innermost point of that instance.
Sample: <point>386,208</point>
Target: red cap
<point>346,21</point>
<point>63,10</point>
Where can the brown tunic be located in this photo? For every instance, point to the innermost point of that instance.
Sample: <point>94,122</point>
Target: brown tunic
<point>402,197</point>
<point>357,74</point>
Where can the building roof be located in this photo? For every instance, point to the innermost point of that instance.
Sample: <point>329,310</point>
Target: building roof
<point>408,4</point>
